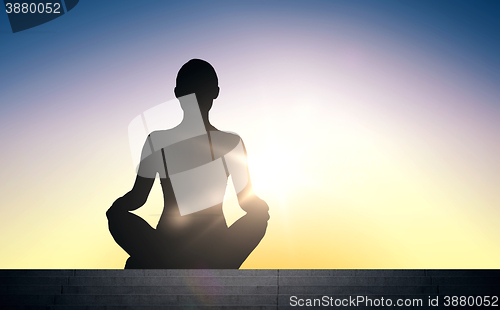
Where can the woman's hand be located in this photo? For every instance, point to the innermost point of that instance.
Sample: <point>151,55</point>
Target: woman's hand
<point>255,206</point>
<point>118,206</point>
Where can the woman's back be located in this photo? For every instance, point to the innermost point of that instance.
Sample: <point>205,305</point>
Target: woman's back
<point>196,175</point>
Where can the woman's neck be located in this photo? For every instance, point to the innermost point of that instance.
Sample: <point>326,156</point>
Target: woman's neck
<point>195,119</point>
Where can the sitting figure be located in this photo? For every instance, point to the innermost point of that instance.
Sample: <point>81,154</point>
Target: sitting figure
<point>193,160</point>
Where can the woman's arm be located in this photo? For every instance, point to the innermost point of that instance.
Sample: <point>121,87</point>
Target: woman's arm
<point>238,168</point>
<point>137,196</point>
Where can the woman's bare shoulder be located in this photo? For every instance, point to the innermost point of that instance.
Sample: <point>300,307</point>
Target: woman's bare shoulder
<point>225,137</point>
<point>224,141</point>
<point>166,137</point>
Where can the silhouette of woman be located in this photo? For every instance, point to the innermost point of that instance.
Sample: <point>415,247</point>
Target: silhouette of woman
<point>194,161</point>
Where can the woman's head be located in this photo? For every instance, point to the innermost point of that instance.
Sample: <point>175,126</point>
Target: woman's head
<point>199,77</point>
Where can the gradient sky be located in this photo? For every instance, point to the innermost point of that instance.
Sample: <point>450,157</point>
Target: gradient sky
<point>371,126</point>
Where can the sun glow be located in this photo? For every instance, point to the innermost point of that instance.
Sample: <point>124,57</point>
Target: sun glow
<point>275,168</point>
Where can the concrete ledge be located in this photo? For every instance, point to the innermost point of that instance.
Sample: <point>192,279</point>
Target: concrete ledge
<point>229,289</point>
